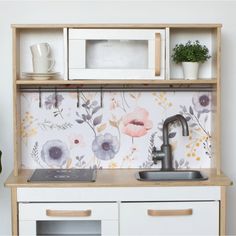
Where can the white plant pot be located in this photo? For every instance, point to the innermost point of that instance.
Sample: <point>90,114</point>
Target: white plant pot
<point>190,70</point>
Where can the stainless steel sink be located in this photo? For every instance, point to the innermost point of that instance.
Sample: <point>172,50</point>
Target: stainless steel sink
<point>178,175</point>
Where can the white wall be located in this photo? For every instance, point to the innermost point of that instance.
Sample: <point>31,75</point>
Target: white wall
<point>120,12</point>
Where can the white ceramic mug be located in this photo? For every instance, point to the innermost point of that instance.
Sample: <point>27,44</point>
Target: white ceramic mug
<point>40,50</point>
<point>43,65</point>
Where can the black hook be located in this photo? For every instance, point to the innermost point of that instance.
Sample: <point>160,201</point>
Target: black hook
<point>56,101</point>
<point>78,98</point>
<point>40,98</point>
<point>101,97</point>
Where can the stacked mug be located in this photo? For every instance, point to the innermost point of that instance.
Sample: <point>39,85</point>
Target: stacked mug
<point>41,58</point>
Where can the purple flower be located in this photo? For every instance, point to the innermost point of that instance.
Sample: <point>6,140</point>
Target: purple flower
<point>53,100</point>
<point>55,153</point>
<point>105,146</point>
<point>202,102</point>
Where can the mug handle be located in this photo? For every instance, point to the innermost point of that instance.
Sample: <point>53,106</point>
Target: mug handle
<point>52,65</point>
<point>48,48</point>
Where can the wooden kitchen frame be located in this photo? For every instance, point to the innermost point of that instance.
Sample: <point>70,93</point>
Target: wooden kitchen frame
<point>18,180</point>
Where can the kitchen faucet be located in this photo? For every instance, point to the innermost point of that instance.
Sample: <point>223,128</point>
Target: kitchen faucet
<point>164,155</point>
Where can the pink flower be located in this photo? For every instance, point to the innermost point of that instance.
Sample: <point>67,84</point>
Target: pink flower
<point>136,123</point>
<point>76,140</point>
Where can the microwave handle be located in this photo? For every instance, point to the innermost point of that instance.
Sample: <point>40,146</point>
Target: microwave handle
<point>157,54</point>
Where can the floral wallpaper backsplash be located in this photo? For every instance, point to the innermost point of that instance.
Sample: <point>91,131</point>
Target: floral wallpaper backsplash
<point>113,130</point>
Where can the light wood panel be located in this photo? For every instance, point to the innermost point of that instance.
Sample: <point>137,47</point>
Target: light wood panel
<point>218,102</point>
<point>16,101</point>
<point>223,212</point>
<point>157,54</point>
<point>14,212</point>
<point>68,213</point>
<point>99,82</point>
<point>119,178</point>
<point>116,26</point>
<point>182,212</point>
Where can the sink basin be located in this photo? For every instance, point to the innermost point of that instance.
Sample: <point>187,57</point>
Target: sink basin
<point>178,175</point>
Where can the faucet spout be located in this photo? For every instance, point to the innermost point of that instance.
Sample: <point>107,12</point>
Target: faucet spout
<point>171,119</point>
<point>165,155</point>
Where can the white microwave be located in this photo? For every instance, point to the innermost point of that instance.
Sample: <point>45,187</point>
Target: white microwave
<point>116,54</point>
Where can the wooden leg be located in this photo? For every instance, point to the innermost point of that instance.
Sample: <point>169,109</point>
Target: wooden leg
<point>14,212</point>
<point>223,211</point>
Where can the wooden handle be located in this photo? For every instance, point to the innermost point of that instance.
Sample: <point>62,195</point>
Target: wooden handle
<point>183,212</point>
<point>68,213</point>
<point>157,54</point>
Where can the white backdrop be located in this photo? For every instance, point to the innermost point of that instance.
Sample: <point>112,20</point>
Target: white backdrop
<point>89,11</point>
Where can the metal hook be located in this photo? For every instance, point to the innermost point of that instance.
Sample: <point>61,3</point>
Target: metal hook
<point>40,98</point>
<point>78,98</point>
<point>56,100</point>
<point>101,97</point>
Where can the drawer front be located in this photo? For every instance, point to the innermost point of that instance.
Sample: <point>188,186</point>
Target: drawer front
<point>111,194</point>
<point>64,211</point>
<point>170,218</point>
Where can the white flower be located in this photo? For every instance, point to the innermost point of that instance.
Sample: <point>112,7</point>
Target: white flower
<point>105,146</point>
<point>55,153</point>
<point>202,102</point>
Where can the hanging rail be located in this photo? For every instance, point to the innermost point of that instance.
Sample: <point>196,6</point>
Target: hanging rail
<point>133,88</point>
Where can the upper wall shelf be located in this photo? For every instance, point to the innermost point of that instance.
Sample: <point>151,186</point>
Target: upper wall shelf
<point>115,53</point>
<point>87,82</point>
<point>114,26</point>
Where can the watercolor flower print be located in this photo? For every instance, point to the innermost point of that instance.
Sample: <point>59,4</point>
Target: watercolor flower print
<point>55,153</point>
<point>136,123</point>
<point>104,146</point>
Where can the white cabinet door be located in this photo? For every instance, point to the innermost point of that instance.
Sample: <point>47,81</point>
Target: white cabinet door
<point>169,218</point>
<point>116,54</point>
<point>68,219</point>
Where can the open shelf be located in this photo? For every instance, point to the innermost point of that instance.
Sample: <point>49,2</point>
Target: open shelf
<point>120,82</point>
<point>115,26</point>
<point>207,37</point>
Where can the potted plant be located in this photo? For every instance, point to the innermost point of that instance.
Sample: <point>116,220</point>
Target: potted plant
<point>190,55</point>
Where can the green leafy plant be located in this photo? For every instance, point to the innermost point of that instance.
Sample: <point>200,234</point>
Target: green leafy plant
<point>190,52</point>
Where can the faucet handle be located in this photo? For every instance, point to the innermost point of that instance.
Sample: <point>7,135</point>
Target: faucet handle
<point>154,150</point>
<point>154,155</point>
<point>157,155</point>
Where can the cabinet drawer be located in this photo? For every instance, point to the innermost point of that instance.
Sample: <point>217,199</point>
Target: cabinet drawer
<point>170,218</point>
<point>63,211</point>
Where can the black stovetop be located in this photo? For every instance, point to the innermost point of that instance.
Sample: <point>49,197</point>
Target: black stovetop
<point>62,175</point>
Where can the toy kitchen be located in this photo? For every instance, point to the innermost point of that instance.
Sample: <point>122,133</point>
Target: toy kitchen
<point>111,136</point>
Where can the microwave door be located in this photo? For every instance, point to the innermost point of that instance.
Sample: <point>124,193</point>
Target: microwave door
<point>115,54</point>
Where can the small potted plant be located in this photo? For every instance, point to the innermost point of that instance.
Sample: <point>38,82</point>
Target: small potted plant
<point>190,55</point>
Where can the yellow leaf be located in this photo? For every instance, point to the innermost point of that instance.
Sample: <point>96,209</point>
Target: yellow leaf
<point>113,123</point>
<point>174,145</point>
<point>101,127</point>
<point>68,163</point>
<point>131,95</point>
